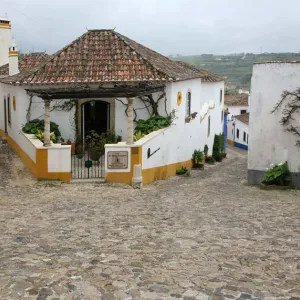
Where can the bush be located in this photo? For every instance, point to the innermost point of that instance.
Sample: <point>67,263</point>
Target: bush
<point>218,157</point>
<point>33,126</point>
<point>152,124</point>
<point>197,158</point>
<point>210,160</point>
<point>278,175</point>
<point>40,135</point>
<point>137,136</point>
<point>205,150</point>
<point>181,170</point>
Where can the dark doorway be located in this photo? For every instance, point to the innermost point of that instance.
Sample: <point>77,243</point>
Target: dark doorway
<point>5,116</point>
<point>95,117</point>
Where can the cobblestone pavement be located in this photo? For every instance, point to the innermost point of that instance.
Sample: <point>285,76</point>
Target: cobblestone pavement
<point>208,236</point>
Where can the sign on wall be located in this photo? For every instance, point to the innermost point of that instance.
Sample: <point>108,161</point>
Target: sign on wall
<point>117,160</point>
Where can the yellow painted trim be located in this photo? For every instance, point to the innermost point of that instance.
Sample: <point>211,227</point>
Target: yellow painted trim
<point>230,142</point>
<point>13,53</point>
<point>6,26</point>
<point>126,177</point>
<point>163,172</point>
<point>40,168</point>
<point>28,162</point>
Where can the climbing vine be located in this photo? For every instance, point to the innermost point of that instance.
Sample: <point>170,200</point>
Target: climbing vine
<point>292,105</point>
<point>150,104</point>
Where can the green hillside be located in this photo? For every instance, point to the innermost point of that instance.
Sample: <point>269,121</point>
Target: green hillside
<point>236,67</point>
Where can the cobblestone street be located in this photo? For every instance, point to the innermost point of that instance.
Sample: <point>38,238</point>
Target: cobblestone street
<point>208,236</point>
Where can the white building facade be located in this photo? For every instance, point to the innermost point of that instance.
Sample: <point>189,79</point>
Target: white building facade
<point>269,143</point>
<point>198,112</point>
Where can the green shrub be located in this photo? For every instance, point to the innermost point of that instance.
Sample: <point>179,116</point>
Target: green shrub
<point>152,124</point>
<point>278,175</point>
<point>205,150</point>
<point>197,158</point>
<point>210,160</point>
<point>137,136</point>
<point>218,157</point>
<point>40,135</point>
<point>33,126</point>
<point>181,170</point>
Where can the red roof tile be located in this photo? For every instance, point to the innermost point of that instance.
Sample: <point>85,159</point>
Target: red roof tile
<point>26,62</point>
<point>236,100</point>
<point>204,75</point>
<point>244,118</point>
<point>104,56</point>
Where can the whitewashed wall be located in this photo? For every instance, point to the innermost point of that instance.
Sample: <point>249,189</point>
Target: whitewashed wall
<point>268,142</point>
<point>178,142</point>
<point>242,127</point>
<point>142,112</point>
<point>64,119</point>
<point>235,110</point>
<point>230,130</point>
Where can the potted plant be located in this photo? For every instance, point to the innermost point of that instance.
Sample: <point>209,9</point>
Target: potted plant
<point>197,159</point>
<point>194,115</point>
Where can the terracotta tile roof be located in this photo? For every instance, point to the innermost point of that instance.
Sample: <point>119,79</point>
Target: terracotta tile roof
<point>244,118</point>
<point>204,75</point>
<point>236,100</point>
<point>104,56</point>
<point>26,62</point>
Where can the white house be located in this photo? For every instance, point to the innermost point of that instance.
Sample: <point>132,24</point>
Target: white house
<point>238,131</point>
<point>105,81</point>
<point>237,104</point>
<point>269,142</point>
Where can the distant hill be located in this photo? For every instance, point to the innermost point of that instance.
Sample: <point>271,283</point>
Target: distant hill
<point>236,67</point>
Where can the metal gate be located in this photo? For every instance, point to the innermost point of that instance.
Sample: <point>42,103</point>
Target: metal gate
<point>87,164</point>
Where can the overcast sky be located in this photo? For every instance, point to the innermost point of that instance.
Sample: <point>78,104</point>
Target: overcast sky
<point>167,26</point>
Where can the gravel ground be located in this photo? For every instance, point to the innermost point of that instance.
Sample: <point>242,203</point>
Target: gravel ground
<point>207,236</point>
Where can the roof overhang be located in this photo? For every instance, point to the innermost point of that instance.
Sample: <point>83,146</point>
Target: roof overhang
<point>87,91</point>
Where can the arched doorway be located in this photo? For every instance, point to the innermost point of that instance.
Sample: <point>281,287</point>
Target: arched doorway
<point>95,116</point>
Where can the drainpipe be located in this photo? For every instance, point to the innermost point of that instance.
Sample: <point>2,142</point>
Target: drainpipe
<point>225,130</point>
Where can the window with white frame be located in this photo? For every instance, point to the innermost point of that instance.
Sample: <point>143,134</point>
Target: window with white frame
<point>221,96</point>
<point>245,136</point>
<point>188,104</point>
<point>237,133</point>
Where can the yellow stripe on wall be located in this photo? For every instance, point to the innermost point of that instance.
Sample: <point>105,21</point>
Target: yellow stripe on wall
<point>40,168</point>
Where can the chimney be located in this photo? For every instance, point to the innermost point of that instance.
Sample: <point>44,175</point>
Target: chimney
<point>13,60</point>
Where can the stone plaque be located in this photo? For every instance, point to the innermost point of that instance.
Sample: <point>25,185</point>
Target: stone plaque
<point>117,159</point>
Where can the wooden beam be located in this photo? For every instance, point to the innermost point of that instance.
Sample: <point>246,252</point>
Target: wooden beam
<point>103,93</point>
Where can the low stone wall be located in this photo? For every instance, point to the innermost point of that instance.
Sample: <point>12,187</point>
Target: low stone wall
<point>45,163</point>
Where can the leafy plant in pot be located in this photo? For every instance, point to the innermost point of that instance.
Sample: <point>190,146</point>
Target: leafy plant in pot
<point>197,159</point>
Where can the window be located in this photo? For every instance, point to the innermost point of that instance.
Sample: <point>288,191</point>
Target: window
<point>188,103</point>
<point>244,137</point>
<point>243,111</point>
<point>247,138</point>
<point>222,116</point>
<point>237,134</point>
<point>221,96</point>
<point>208,129</point>
<point>8,110</point>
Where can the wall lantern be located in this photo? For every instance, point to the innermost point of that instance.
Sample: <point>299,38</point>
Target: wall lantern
<point>92,103</point>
